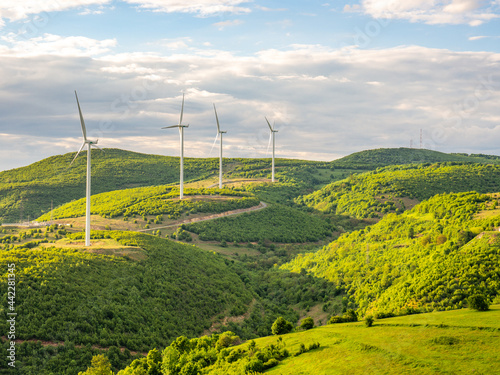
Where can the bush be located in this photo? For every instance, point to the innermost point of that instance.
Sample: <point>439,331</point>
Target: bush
<point>478,302</point>
<point>281,326</point>
<point>307,323</point>
<point>369,320</point>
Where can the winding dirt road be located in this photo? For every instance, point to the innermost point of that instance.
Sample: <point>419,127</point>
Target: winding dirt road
<point>210,217</point>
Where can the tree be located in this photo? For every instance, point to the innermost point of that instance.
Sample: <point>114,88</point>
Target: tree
<point>281,326</point>
<point>478,302</point>
<point>307,323</point>
<point>99,366</point>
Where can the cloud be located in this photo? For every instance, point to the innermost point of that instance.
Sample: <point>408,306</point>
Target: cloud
<point>326,102</point>
<point>50,44</point>
<point>222,25</point>
<point>203,8</point>
<point>20,9</point>
<point>472,12</point>
<point>479,37</point>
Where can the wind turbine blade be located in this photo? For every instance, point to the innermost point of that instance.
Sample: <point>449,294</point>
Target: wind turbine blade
<point>269,143</point>
<point>84,131</point>
<point>268,124</point>
<point>170,127</point>
<point>96,146</point>
<point>78,153</point>
<point>217,118</point>
<point>215,141</point>
<point>182,109</point>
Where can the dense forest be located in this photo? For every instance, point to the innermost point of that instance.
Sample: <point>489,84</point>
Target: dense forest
<point>170,289</point>
<point>276,224</point>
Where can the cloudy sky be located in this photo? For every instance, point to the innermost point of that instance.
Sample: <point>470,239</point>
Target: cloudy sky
<point>336,77</point>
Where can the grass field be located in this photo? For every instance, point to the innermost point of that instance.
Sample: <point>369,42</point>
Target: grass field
<point>452,342</point>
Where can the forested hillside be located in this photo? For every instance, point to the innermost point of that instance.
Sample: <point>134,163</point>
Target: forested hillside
<point>372,159</point>
<point>276,223</point>
<point>170,289</point>
<point>156,200</point>
<point>32,190</point>
<point>391,189</point>
<point>431,257</point>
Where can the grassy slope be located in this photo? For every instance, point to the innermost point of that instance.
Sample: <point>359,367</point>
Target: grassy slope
<point>434,343</point>
<point>463,342</point>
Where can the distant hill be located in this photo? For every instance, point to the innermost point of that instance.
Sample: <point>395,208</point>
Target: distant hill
<point>431,257</point>
<point>396,188</point>
<point>31,191</point>
<point>372,159</point>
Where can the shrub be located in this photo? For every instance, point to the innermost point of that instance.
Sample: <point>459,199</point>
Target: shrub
<point>281,326</point>
<point>307,323</point>
<point>478,302</point>
<point>369,320</point>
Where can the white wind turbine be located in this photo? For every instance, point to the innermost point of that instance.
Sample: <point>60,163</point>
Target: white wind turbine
<point>274,144</point>
<point>90,145</point>
<point>181,133</point>
<point>219,132</point>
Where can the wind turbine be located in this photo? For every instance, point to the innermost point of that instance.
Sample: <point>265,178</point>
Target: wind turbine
<point>274,144</point>
<point>90,144</point>
<point>219,132</point>
<point>181,133</point>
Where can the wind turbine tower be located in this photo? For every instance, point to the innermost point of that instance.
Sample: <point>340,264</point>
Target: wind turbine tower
<point>181,134</point>
<point>274,145</point>
<point>89,144</point>
<point>219,132</point>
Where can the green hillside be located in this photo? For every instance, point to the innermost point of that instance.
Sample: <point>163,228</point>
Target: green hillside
<point>455,342</point>
<point>144,298</point>
<point>391,189</point>
<point>155,200</point>
<point>431,257</point>
<point>31,190</point>
<point>372,159</point>
<point>276,223</point>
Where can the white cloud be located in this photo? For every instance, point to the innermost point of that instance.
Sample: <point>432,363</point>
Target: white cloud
<point>356,99</point>
<point>472,12</point>
<point>222,25</point>
<point>203,8</point>
<point>479,37</point>
<point>49,44</point>
<point>19,9</point>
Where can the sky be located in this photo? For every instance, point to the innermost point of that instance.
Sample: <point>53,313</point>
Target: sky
<point>333,77</point>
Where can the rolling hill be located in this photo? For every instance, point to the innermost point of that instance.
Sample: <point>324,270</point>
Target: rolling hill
<point>32,190</point>
<point>395,188</point>
<point>143,294</point>
<point>429,241</point>
<point>433,256</point>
